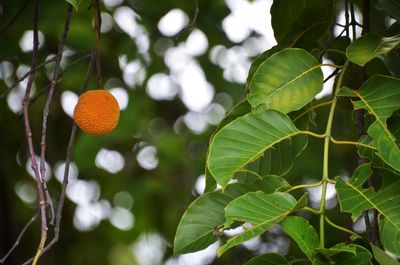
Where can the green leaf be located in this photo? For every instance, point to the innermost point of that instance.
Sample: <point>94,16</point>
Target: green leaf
<point>380,96</point>
<point>390,233</point>
<point>336,249</point>
<point>369,46</point>
<point>271,184</point>
<point>286,81</point>
<point>296,21</point>
<point>382,257</point>
<point>362,257</point>
<point>260,210</point>
<point>75,3</point>
<point>259,60</point>
<point>392,7</point>
<point>244,140</point>
<point>236,111</point>
<point>206,213</point>
<point>268,259</point>
<point>355,199</point>
<point>300,230</point>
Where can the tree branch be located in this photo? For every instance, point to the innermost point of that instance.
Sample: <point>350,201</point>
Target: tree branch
<point>28,133</point>
<point>47,106</point>
<point>66,169</point>
<point>12,21</point>
<point>18,240</point>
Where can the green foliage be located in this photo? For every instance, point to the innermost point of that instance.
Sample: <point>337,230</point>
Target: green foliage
<point>244,140</point>
<point>267,135</point>
<point>268,259</point>
<point>286,81</point>
<point>260,210</point>
<point>75,3</point>
<point>302,233</point>
<point>369,46</point>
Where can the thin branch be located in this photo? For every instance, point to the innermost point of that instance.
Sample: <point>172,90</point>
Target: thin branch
<point>97,29</point>
<point>341,228</point>
<point>60,74</point>
<point>66,169</point>
<point>353,20</point>
<point>12,21</point>
<point>334,73</point>
<point>48,102</point>
<point>192,24</point>
<point>28,134</point>
<point>313,108</point>
<point>27,74</point>
<point>346,15</point>
<point>21,234</point>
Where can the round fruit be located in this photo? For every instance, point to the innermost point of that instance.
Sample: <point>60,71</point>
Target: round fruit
<point>97,112</point>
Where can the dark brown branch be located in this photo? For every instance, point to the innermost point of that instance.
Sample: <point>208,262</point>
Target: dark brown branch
<point>21,234</point>
<point>67,164</point>
<point>28,134</point>
<point>346,15</point>
<point>12,21</point>
<point>192,24</point>
<point>97,29</point>
<point>353,19</point>
<point>27,74</point>
<point>60,74</point>
<point>47,106</point>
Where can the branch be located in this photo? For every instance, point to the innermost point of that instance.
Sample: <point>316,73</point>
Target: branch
<point>12,21</point>
<point>27,74</point>
<point>193,22</point>
<point>60,74</point>
<point>97,29</point>
<point>47,105</point>
<point>21,234</point>
<point>66,169</point>
<point>28,134</point>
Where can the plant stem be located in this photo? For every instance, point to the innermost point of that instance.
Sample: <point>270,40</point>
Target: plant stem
<point>351,143</point>
<point>325,174</point>
<point>312,108</point>
<point>304,186</point>
<point>341,228</point>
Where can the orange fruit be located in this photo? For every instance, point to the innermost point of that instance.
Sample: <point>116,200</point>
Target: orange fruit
<point>97,112</point>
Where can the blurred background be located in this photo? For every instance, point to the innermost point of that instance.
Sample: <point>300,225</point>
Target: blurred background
<point>129,189</point>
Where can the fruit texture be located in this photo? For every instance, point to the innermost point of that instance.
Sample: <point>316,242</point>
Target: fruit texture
<point>97,112</point>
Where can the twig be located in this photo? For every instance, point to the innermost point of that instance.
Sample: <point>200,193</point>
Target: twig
<point>47,106</point>
<point>193,22</point>
<point>12,21</point>
<point>346,15</point>
<point>334,73</point>
<point>21,234</point>
<point>28,134</point>
<point>60,74</point>
<point>97,29</point>
<point>353,20</point>
<point>66,169</point>
<point>22,78</point>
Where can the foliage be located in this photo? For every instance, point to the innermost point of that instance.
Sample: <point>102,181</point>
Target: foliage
<point>281,88</point>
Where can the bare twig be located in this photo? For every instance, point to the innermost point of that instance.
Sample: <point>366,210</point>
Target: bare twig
<point>27,74</point>
<point>66,170</point>
<point>47,106</point>
<point>12,21</point>
<point>28,134</point>
<point>332,74</point>
<point>192,24</point>
<point>60,74</point>
<point>18,240</point>
<point>346,15</point>
<point>97,29</point>
<point>353,19</point>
